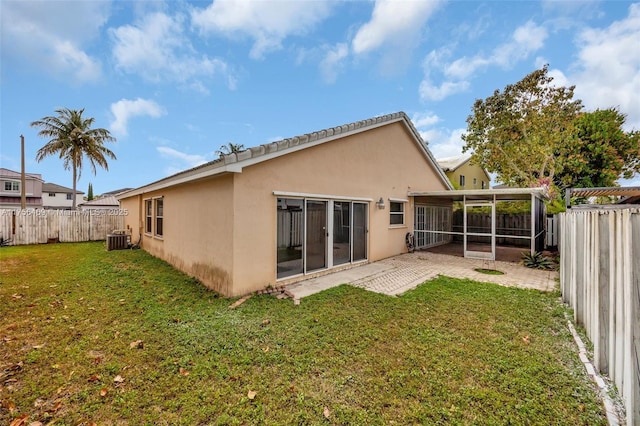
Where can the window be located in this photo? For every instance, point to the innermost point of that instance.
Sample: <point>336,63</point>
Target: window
<point>475,182</point>
<point>52,194</point>
<point>462,181</point>
<point>396,216</point>
<point>484,184</point>
<point>148,217</point>
<point>69,196</point>
<point>159,216</point>
<point>12,186</point>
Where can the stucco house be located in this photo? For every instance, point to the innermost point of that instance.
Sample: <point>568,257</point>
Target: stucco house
<point>289,210</point>
<point>463,174</point>
<point>10,189</point>
<point>56,196</point>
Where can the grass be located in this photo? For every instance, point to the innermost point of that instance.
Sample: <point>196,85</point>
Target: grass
<point>489,271</point>
<point>450,352</point>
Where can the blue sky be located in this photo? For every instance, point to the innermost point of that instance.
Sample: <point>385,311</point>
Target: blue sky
<point>175,80</point>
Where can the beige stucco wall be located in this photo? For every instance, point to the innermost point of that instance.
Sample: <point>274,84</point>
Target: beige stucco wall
<point>469,171</point>
<point>383,162</point>
<point>222,230</point>
<point>197,227</point>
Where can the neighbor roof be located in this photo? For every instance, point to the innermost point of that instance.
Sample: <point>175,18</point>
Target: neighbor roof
<point>235,162</point>
<point>52,187</point>
<point>11,174</point>
<point>449,164</point>
<point>102,201</point>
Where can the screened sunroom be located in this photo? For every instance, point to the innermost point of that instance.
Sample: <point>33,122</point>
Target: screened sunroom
<point>486,224</point>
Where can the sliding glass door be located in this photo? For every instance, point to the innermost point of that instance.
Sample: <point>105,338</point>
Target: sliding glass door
<point>319,234</point>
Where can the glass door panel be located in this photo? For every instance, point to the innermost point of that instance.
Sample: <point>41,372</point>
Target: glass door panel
<point>290,236</point>
<point>359,231</point>
<point>316,235</point>
<point>341,232</point>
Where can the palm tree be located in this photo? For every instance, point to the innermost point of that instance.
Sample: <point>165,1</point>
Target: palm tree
<point>72,138</point>
<point>229,148</point>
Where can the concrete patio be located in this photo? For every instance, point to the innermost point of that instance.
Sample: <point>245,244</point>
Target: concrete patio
<point>396,275</point>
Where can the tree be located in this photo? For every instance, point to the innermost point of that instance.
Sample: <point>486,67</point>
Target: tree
<point>229,148</point>
<point>516,133</point>
<point>72,139</point>
<point>90,192</point>
<point>600,151</point>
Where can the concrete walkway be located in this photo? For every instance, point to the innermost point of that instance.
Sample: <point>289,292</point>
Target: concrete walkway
<point>395,275</point>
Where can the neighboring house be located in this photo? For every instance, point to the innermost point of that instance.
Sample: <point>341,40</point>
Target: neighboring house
<point>101,203</point>
<point>115,192</point>
<point>10,189</point>
<point>289,210</point>
<point>59,197</point>
<point>463,174</point>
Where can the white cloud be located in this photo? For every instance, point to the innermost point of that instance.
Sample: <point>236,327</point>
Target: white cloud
<point>125,109</point>
<point>333,61</point>
<point>190,160</point>
<point>444,142</point>
<point>157,48</point>
<point>432,92</point>
<point>396,22</point>
<point>267,23</point>
<point>525,40</point>
<point>424,119</point>
<point>607,72</point>
<point>41,33</point>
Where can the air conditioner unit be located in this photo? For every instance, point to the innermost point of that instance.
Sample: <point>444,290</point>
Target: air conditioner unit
<point>117,242</point>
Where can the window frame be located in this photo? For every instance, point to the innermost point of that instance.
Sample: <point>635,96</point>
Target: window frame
<point>13,186</point>
<point>148,216</point>
<point>462,181</point>
<point>158,218</point>
<point>397,213</point>
<point>69,196</point>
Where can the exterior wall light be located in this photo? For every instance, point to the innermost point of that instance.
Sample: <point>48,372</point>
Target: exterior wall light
<point>380,203</point>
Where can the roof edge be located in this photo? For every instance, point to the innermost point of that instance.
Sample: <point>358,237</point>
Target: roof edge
<point>235,162</point>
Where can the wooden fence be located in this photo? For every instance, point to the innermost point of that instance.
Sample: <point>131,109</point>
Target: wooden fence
<point>38,226</point>
<point>600,280</point>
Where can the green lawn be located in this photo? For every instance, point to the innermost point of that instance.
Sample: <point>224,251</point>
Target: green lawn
<point>450,352</point>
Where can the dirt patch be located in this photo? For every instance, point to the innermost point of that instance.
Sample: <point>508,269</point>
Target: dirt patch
<point>8,265</point>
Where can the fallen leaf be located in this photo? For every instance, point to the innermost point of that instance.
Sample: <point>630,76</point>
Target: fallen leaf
<point>265,349</point>
<point>118,379</point>
<point>265,322</point>
<point>103,392</point>
<point>36,424</point>
<point>251,394</point>
<point>38,346</point>
<point>94,378</point>
<point>9,405</point>
<point>138,344</point>
<point>16,296</point>
<point>526,339</point>
<point>183,371</point>
<point>326,413</point>
<point>55,407</point>
<point>20,420</point>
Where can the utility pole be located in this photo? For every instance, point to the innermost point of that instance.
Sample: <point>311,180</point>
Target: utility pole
<point>23,178</point>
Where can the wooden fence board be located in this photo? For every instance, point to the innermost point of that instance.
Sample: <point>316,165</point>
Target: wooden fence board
<point>38,226</point>
<point>600,279</point>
